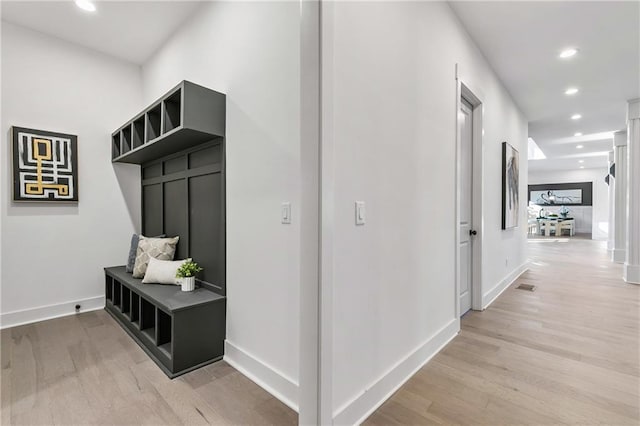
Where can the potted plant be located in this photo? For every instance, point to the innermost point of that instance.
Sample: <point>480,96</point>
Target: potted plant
<point>564,211</point>
<point>187,272</point>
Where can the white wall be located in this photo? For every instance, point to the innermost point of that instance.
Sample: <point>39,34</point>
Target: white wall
<point>53,255</point>
<point>250,51</point>
<point>593,219</point>
<point>390,98</point>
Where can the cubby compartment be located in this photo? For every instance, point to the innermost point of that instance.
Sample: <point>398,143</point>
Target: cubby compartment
<point>126,300</point>
<point>135,309</point>
<point>108,288</point>
<point>172,108</point>
<point>148,319</point>
<point>115,145</point>
<point>116,293</point>
<point>153,119</point>
<point>137,135</point>
<point>163,330</point>
<point>126,139</point>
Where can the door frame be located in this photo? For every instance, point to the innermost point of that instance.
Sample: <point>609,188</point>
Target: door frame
<point>474,97</point>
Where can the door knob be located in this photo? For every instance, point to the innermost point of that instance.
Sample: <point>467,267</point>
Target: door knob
<point>473,232</point>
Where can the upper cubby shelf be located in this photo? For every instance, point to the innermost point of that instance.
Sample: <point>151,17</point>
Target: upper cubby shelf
<point>185,116</point>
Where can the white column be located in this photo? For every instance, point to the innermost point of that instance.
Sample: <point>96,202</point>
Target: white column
<point>620,210</point>
<point>309,218</point>
<point>611,189</point>
<point>632,262</point>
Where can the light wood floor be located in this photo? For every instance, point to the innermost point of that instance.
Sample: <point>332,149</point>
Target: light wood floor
<point>566,353</point>
<point>85,369</point>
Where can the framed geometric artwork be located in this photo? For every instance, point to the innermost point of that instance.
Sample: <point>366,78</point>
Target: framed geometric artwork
<point>45,166</point>
<point>510,186</point>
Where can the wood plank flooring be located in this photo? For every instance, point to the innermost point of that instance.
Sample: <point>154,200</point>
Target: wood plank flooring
<point>84,369</point>
<point>567,353</point>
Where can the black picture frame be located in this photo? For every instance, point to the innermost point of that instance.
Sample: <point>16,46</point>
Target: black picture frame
<point>510,186</point>
<point>45,166</point>
<point>585,187</point>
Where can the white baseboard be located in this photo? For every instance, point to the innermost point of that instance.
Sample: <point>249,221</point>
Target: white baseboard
<point>268,378</point>
<point>358,409</point>
<point>631,273</point>
<point>491,295</point>
<point>41,313</point>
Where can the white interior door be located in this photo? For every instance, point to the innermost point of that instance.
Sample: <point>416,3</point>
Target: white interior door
<point>465,118</point>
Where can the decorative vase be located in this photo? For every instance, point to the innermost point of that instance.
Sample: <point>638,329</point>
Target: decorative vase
<point>563,215</point>
<point>188,283</point>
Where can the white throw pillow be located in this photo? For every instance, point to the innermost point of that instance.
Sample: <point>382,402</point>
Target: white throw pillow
<point>163,271</point>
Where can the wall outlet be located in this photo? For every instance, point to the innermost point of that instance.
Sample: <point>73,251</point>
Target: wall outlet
<point>286,213</point>
<point>361,213</point>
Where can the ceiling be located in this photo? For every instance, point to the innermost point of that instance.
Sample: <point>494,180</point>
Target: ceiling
<point>129,30</point>
<point>522,41</point>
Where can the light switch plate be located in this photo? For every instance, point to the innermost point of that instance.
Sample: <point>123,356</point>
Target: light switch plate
<point>361,215</point>
<point>286,213</point>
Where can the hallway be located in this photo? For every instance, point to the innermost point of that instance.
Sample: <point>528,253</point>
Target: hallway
<point>566,353</point>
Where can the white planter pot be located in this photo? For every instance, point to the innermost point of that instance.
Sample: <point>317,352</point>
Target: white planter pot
<point>188,283</point>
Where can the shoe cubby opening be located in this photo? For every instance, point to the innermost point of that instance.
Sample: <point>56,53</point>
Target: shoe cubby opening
<point>148,319</point>
<point>172,107</point>
<point>163,330</point>
<point>138,132</point>
<point>153,119</point>
<point>116,293</point>
<point>108,288</point>
<point>115,146</point>
<point>126,300</point>
<point>135,309</point>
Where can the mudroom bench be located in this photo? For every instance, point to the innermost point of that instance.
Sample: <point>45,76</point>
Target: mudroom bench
<point>180,331</point>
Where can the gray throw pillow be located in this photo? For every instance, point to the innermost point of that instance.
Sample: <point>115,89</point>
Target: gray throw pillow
<point>131,260</point>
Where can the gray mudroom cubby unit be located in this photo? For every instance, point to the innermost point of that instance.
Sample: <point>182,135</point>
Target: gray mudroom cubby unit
<point>179,142</point>
<point>184,117</point>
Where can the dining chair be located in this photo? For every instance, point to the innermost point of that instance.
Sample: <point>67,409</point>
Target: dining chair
<point>548,226</point>
<point>566,225</point>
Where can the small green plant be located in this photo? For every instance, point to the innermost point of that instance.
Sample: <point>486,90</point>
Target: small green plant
<point>188,269</point>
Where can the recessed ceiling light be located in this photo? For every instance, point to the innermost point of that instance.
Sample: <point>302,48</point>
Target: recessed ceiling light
<point>567,53</point>
<point>577,134</point>
<point>571,91</point>
<point>580,161</point>
<point>86,5</point>
<point>576,117</point>
<point>579,146</point>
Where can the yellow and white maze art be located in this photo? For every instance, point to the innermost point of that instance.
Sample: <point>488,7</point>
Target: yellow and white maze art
<point>46,167</point>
